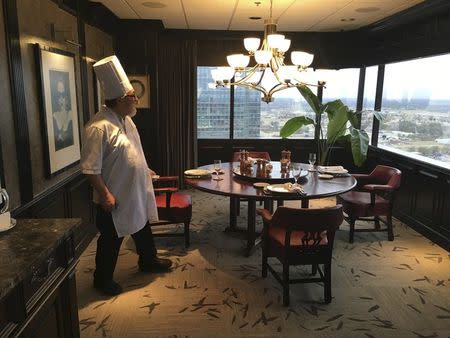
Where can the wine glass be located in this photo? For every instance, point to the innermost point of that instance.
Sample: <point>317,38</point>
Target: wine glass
<point>217,168</point>
<point>312,161</point>
<point>296,171</point>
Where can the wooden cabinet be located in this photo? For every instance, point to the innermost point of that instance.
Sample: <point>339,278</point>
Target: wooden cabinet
<point>43,303</point>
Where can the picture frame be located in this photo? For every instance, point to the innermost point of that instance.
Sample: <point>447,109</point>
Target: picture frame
<point>59,109</point>
<point>141,85</point>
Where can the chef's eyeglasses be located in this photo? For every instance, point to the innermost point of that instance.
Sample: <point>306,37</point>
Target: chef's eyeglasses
<point>132,96</point>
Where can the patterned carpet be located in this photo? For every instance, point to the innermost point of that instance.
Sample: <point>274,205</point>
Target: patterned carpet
<point>380,288</point>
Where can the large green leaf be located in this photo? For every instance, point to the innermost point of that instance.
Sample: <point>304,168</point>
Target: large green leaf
<point>353,118</point>
<point>379,115</point>
<point>311,98</point>
<point>360,145</point>
<point>337,120</point>
<point>294,124</point>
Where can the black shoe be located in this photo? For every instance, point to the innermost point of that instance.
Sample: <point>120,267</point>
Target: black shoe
<point>110,288</point>
<point>156,265</point>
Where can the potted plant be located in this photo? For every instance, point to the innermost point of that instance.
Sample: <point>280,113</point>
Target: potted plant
<point>343,124</point>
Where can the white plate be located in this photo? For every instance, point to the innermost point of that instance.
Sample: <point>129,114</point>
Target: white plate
<point>332,170</point>
<point>325,176</point>
<point>260,184</point>
<point>197,172</point>
<point>12,225</point>
<point>280,188</point>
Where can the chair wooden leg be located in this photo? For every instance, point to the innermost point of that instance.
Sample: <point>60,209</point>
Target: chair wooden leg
<point>280,203</point>
<point>286,284</point>
<point>377,223</point>
<point>186,234</point>
<point>327,282</point>
<point>389,228</point>
<point>264,264</point>
<point>314,268</point>
<point>351,222</point>
<point>238,206</point>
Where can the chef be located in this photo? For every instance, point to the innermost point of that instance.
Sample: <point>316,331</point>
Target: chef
<point>113,160</point>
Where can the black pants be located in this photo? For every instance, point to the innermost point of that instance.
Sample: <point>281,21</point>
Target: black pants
<point>108,246</point>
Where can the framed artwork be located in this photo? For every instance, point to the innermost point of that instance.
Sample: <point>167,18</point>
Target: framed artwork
<point>141,85</point>
<point>59,111</point>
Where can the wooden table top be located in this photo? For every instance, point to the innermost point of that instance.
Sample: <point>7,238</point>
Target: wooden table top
<point>234,185</point>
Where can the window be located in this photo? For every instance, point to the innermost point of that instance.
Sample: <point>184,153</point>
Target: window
<point>370,87</point>
<point>254,118</point>
<point>340,85</point>
<point>417,102</point>
<point>213,107</point>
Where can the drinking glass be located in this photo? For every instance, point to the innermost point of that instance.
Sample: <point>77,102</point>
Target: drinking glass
<point>296,171</point>
<point>217,167</point>
<point>312,161</point>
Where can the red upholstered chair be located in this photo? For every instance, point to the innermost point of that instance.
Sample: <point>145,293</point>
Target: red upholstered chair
<point>173,206</point>
<point>300,237</point>
<point>372,197</point>
<point>254,154</point>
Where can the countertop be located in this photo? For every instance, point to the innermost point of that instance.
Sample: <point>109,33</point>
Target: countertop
<point>28,244</point>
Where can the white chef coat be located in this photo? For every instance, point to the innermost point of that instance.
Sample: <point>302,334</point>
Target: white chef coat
<point>112,148</point>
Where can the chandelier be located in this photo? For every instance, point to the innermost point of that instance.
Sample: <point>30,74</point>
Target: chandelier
<point>269,74</point>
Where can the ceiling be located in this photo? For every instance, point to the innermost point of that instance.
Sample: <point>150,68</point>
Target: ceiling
<point>292,15</point>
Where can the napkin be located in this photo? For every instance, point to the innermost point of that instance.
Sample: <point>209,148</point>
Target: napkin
<point>330,168</point>
<point>294,187</point>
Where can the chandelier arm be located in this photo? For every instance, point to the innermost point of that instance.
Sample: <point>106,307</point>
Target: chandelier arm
<point>278,87</point>
<point>246,77</point>
<point>260,79</point>
<point>251,86</point>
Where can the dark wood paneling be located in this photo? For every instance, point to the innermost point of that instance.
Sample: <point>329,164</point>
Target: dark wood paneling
<point>18,100</point>
<point>71,198</point>
<point>423,200</point>
<point>210,150</point>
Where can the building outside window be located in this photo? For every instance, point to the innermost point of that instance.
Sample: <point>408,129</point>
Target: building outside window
<point>417,102</point>
<point>213,107</point>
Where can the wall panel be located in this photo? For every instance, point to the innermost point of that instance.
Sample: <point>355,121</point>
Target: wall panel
<point>7,135</point>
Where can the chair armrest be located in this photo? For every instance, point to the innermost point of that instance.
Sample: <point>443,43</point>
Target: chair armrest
<point>377,187</point>
<point>265,214</point>
<point>165,190</point>
<point>168,178</point>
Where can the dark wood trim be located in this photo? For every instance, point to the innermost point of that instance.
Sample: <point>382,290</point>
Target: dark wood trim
<point>83,63</point>
<point>318,117</point>
<point>378,103</point>
<point>232,110</point>
<point>22,209</point>
<point>18,101</point>
<point>360,97</point>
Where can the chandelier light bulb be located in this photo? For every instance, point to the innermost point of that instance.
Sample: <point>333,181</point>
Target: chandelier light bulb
<point>238,61</point>
<point>215,73</point>
<point>263,57</point>
<point>251,44</point>
<point>226,73</point>
<point>287,73</point>
<point>302,59</point>
<point>286,43</point>
<point>275,41</point>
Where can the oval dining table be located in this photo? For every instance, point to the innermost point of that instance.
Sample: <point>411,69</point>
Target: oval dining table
<point>237,186</point>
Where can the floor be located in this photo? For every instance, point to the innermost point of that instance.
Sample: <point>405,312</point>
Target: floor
<point>380,288</point>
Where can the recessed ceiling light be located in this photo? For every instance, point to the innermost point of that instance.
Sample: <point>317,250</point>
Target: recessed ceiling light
<point>152,4</point>
<point>367,9</point>
<point>255,18</point>
<point>348,19</point>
